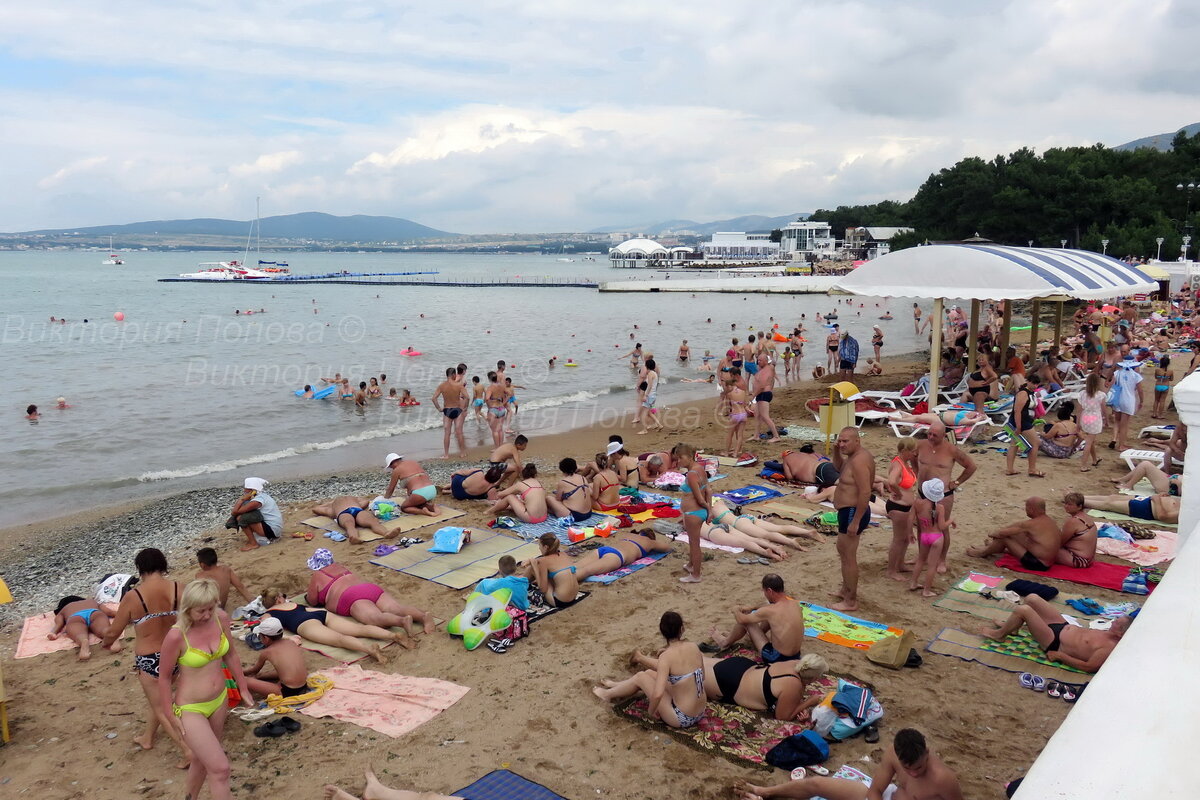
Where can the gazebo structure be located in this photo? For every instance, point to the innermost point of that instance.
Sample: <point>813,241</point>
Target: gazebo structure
<point>638,253</point>
<point>979,272</point>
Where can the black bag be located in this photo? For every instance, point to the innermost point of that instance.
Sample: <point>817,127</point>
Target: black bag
<point>798,750</point>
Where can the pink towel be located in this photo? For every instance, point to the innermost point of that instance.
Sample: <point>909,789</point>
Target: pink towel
<point>33,641</point>
<point>390,704</point>
<point>1166,543</point>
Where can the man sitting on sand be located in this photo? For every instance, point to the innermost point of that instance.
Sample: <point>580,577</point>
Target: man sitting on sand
<point>220,574</point>
<point>776,629</point>
<point>1079,534</point>
<point>1154,508</point>
<point>352,513</point>
<point>919,774</point>
<point>1081,648</point>
<point>1035,541</point>
<point>256,514</point>
<point>291,675</point>
<point>805,466</point>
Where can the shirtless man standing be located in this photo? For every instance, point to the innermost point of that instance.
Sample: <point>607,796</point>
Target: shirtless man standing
<point>851,498</point>
<point>917,772</point>
<point>936,457</point>
<point>452,395</point>
<point>360,395</point>
<point>1081,648</point>
<point>916,319</point>
<point>1035,541</point>
<point>777,629</point>
<point>495,397</point>
<point>1079,534</point>
<point>764,384</point>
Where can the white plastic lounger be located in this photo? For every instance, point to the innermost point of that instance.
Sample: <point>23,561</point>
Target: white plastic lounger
<point>1132,457</point>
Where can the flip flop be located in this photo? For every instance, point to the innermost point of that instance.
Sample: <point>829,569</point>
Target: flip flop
<point>1026,679</point>
<point>765,561</point>
<point>1069,694</point>
<point>709,647</point>
<point>1036,474</point>
<point>1039,683</point>
<point>308,537</point>
<point>290,724</point>
<point>871,735</point>
<point>748,560</point>
<point>272,730</point>
<point>1054,689</point>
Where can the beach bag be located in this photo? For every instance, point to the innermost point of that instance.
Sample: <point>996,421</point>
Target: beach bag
<point>828,722</point>
<point>519,627</point>
<point>798,750</point>
<point>447,540</point>
<point>892,651</point>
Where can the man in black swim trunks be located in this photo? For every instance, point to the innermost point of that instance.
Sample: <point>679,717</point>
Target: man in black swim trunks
<point>776,629</point>
<point>852,499</point>
<point>1035,541</point>
<point>764,384</point>
<point>1081,648</point>
<point>453,396</point>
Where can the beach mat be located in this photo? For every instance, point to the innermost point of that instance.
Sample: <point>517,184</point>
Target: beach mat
<point>504,785</point>
<point>1100,573</point>
<point>1014,654</point>
<point>753,493</point>
<point>539,612</point>
<point>33,641</point>
<point>790,510</point>
<point>402,523</point>
<point>628,569</point>
<point>738,734</point>
<point>969,601</point>
<point>530,531</point>
<point>1115,516</point>
<point>804,433</point>
<point>834,627</point>
<point>389,704</point>
<point>473,563</point>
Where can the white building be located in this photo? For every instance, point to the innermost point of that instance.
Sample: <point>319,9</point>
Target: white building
<point>738,246</point>
<point>639,254</point>
<point>871,241</point>
<point>802,239</point>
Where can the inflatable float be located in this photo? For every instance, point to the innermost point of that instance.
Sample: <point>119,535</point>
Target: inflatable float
<point>319,394</point>
<point>571,364</point>
<point>484,615</point>
<point>408,351</point>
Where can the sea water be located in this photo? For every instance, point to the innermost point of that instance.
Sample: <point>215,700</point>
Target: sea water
<point>184,393</point>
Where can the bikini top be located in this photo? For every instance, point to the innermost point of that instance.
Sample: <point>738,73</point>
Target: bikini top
<point>697,673</point>
<point>768,679</point>
<point>576,489</point>
<point>193,657</point>
<point>687,487</point>
<point>908,478</point>
<point>156,614</point>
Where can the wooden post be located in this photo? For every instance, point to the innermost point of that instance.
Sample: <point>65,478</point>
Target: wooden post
<point>935,352</point>
<point>1058,322</point>
<point>973,337</point>
<point>1033,333</point>
<point>1005,325</point>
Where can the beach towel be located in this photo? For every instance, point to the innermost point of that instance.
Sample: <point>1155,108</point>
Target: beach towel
<point>705,544</point>
<point>389,704</point>
<point>530,531</point>
<point>964,598</point>
<point>1011,655</point>
<point>1127,518</point>
<point>504,785</point>
<point>837,628</point>
<point>849,773</point>
<point>1164,545</point>
<point>1100,573</point>
<point>33,641</point>
<point>750,494</point>
<point>541,610</point>
<point>628,569</point>
<point>731,731</point>
<point>744,460</point>
<point>473,563</point>
<point>402,523</point>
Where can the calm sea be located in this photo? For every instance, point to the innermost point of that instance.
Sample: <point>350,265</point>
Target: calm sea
<point>185,394</point>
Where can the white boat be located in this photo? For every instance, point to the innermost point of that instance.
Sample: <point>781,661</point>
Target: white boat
<point>226,271</point>
<point>113,258</point>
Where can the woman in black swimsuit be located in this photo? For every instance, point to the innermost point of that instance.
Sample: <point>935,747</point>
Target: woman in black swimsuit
<point>573,496</point>
<point>979,384</point>
<point>777,688</point>
<point>320,626</point>
<point>1021,422</point>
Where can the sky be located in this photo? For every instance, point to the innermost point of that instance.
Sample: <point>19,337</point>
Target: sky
<point>558,115</point>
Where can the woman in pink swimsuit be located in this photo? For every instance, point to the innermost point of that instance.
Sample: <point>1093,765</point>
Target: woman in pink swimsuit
<point>337,589</point>
<point>525,499</point>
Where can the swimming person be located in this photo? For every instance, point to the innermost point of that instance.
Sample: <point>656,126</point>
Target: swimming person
<point>675,687</point>
<point>196,700</point>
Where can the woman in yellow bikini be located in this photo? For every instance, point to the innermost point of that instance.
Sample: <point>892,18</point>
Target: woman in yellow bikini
<point>197,645</point>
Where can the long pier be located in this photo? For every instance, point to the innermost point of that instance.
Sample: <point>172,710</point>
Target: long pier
<point>401,279</point>
<point>784,284</point>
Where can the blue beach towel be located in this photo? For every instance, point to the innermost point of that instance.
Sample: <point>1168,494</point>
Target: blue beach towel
<point>505,785</point>
<point>628,569</point>
<point>749,494</point>
<point>531,531</point>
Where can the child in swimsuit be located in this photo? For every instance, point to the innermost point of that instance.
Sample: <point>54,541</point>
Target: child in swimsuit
<point>931,530</point>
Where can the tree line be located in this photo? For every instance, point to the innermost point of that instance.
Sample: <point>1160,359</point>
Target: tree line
<point>1080,194</point>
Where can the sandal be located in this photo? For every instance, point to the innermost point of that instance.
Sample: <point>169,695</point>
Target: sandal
<point>1054,689</point>
<point>1070,693</point>
<point>273,729</point>
<point>1036,474</point>
<point>1026,679</point>
<point>748,560</point>
<point>308,537</point>
<point>290,724</point>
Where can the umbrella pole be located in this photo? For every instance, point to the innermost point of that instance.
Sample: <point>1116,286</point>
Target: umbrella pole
<point>935,354</point>
<point>973,337</point>
<point>1058,319</point>
<point>1033,333</point>
<point>1005,331</point>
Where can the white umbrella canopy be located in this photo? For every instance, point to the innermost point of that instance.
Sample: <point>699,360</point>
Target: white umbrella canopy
<point>995,272</point>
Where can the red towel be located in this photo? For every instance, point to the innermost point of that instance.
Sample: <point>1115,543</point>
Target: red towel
<point>1100,573</point>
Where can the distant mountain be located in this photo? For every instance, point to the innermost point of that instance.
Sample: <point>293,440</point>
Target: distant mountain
<point>753,222</point>
<point>308,225</point>
<point>1160,141</point>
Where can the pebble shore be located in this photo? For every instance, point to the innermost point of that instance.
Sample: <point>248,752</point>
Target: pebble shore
<point>177,525</point>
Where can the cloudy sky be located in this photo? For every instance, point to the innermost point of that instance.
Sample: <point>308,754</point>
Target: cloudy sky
<point>558,114</point>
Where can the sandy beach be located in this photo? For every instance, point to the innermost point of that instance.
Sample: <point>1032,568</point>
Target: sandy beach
<point>530,709</point>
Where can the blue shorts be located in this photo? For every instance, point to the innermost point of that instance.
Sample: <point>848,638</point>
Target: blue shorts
<point>772,656</point>
<point>1141,508</point>
<point>751,368</point>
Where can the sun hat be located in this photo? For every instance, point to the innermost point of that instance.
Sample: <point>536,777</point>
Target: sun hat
<point>933,489</point>
<point>391,457</point>
<point>613,448</point>
<point>320,559</point>
<point>269,627</point>
<point>256,484</point>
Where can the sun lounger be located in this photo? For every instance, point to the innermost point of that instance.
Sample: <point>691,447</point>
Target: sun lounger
<point>1157,431</point>
<point>1132,457</point>
<point>911,429</point>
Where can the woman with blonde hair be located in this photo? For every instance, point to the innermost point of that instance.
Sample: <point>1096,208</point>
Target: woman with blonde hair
<point>777,688</point>
<point>197,702</point>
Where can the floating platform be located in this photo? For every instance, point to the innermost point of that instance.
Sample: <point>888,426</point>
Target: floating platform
<point>783,284</point>
<point>398,279</point>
